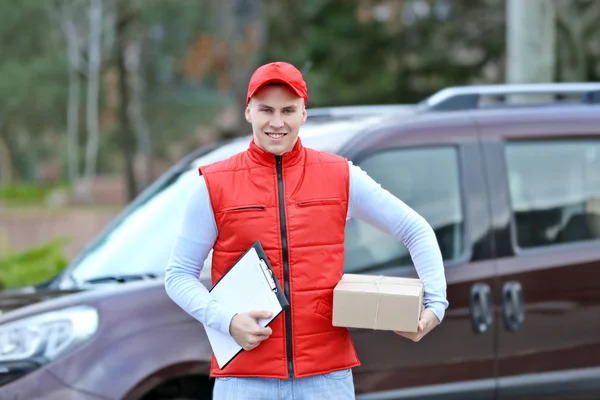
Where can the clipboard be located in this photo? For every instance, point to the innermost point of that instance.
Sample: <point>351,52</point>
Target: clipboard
<point>250,284</point>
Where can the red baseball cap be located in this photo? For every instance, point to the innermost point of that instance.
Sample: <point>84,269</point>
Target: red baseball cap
<point>278,72</point>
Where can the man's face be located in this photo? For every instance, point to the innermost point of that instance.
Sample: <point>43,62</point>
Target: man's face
<point>276,114</point>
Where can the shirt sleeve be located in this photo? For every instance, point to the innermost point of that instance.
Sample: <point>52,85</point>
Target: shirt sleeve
<point>373,204</point>
<point>192,245</point>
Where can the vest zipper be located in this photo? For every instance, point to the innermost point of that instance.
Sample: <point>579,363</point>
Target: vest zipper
<point>286,267</point>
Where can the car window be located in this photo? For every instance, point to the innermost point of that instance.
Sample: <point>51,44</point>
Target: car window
<point>554,191</point>
<point>427,180</point>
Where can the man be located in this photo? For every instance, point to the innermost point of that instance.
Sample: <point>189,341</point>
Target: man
<point>296,201</point>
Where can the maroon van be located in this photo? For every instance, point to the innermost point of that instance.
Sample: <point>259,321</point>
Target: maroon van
<point>512,191</point>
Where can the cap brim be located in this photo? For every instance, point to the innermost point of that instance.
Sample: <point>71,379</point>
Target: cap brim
<point>274,80</point>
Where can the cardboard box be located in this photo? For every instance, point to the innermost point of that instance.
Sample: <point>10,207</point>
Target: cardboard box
<point>378,302</point>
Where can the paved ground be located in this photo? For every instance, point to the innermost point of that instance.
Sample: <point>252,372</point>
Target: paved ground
<point>26,227</point>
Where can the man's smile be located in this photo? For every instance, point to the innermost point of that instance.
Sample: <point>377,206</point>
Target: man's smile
<point>276,136</point>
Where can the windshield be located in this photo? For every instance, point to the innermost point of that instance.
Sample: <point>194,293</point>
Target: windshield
<point>141,242</point>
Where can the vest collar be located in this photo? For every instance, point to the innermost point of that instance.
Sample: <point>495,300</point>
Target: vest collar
<point>290,158</point>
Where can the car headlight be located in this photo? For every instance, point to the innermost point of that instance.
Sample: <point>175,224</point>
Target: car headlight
<point>47,336</point>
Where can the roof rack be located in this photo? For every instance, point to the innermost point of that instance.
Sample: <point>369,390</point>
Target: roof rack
<point>468,97</point>
<point>356,110</point>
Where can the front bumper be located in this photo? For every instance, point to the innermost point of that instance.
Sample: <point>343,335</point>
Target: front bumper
<point>42,385</point>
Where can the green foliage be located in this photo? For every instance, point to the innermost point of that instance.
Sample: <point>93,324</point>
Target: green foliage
<point>32,63</point>
<point>33,265</point>
<point>352,52</point>
<point>33,78</point>
<point>428,46</point>
<point>173,106</point>
<point>22,194</point>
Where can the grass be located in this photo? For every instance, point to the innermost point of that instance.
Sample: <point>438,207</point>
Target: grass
<point>33,265</point>
<point>26,193</point>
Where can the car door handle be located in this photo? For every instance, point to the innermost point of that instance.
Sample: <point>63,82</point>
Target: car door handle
<point>480,307</point>
<point>513,310</point>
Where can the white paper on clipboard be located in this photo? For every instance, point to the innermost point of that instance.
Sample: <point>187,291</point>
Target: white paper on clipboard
<point>248,285</point>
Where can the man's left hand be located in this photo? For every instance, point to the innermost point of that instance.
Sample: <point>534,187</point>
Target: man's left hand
<point>427,322</point>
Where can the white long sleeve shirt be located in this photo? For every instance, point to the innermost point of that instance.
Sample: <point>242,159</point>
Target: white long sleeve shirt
<point>368,201</point>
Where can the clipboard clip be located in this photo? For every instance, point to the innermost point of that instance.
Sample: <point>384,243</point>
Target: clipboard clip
<point>268,275</point>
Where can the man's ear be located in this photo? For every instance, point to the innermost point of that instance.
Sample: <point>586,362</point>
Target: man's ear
<point>304,114</point>
<point>247,113</point>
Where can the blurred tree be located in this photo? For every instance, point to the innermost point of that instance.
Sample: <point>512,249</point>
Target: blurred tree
<point>127,61</point>
<point>70,18</point>
<point>173,74</point>
<point>530,41</point>
<point>179,95</point>
<point>127,54</point>
<point>394,51</point>
<point>578,35</point>
<point>84,24</point>
<point>94,64</point>
<point>240,31</point>
<point>32,77</point>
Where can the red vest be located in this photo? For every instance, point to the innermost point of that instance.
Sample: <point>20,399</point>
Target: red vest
<point>296,205</point>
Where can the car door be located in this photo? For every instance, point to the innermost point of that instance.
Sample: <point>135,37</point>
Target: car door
<point>546,197</point>
<point>437,171</point>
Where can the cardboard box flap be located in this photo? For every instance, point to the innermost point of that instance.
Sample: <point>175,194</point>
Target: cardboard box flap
<point>381,278</point>
<point>381,287</point>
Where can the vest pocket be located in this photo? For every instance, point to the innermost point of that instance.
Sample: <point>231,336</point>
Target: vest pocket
<point>319,202</point>
<point>324,309</point>
<point>244,208</point>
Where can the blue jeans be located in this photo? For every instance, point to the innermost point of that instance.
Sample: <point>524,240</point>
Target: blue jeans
<point>337,385</point>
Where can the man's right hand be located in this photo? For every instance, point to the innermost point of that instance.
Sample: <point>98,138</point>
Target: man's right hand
<point>246,331</point>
